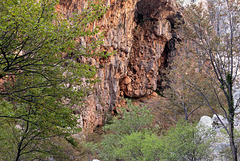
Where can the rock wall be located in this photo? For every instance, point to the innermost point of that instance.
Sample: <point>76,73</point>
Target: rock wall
<point>140,33</point>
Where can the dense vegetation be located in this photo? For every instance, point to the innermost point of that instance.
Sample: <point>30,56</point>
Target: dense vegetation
<point>40,78</point>
<point>133,138</point>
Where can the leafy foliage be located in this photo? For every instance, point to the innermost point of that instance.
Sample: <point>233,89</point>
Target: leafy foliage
<point>183,142</point>
<point>140,146</point>
<point>40,79</point>
<point>131,120</point>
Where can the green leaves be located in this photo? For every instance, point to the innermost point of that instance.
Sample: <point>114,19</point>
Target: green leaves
<point>131,123</point>
<point>40,77</point>
<point>131,139</point>
<point>185,143</point>
<point>6,109</point>
<point>140,146</point>
<point>134,119</point>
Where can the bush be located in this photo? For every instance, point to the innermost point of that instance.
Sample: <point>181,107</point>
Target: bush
<point>132,120</point>
<point>185,142</point>
<point>131,139</point>
<point>140,146</point>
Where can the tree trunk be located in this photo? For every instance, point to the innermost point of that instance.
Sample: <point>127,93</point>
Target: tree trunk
<point>231,111</point>
<point>231,138</point>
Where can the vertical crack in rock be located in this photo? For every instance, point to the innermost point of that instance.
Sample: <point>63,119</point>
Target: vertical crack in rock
<point>149,51</point>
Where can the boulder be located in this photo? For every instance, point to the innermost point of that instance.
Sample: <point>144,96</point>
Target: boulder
<point>206,121</point>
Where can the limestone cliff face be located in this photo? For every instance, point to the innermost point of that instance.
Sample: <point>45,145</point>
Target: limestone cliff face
<point>140,33</point>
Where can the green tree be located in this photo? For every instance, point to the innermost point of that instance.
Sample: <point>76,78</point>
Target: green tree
<point>40,78</point>
<point>211,31</point>
<point>132,120</point>
<point>145,146</point>
<point>131,139</point>
<point>185,142</point>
